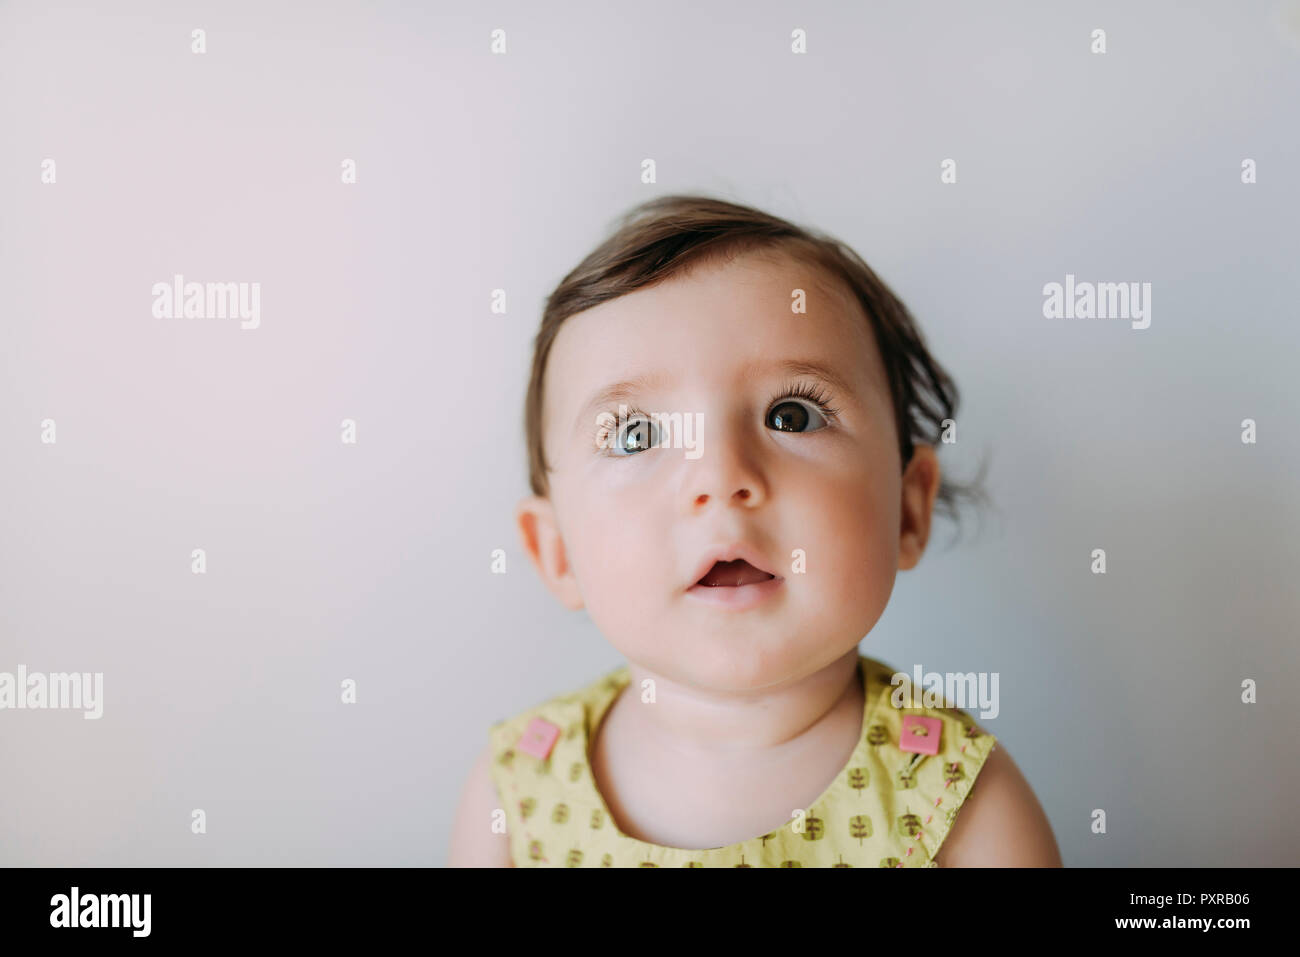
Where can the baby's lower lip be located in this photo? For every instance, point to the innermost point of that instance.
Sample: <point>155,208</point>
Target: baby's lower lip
<point>736,597</point>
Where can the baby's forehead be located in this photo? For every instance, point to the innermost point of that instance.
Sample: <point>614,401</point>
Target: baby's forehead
<point>763,301</point>
<point>713,324</point>
<point>777,272</point>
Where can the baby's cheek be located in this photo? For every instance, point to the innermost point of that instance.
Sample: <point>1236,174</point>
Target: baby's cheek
<point>621,583</point>
<point>860,557</point>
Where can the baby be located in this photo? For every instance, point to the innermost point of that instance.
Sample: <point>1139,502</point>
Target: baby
<point>731,425</point>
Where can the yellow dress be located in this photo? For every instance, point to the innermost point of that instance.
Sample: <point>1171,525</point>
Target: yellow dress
<point>886,808</point>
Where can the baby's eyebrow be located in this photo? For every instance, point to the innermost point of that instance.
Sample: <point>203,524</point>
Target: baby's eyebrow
<point>620,392</point>
<point>630,388</point>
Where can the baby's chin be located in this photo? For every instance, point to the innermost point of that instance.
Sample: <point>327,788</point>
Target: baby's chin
<point>734,663</point>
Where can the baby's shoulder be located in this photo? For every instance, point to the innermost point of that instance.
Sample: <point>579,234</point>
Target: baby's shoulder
<point>1001,824</point>
<point>923,755</point>
<point>920,720</point>
<point>562,717</point>
<point>992,817</point>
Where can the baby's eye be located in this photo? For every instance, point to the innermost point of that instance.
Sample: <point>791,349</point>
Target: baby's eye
<point>792,416</point>
<point>636,435</point>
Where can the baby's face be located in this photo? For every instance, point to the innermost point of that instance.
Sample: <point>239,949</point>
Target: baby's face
<point>628,524</point>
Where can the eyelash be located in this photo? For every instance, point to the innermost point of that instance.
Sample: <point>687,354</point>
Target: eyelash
<point>814,394</point>
<point>801,390</point>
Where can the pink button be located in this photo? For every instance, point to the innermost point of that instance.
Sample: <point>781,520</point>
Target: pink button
<point>539,737</point>
<point>920,735</point>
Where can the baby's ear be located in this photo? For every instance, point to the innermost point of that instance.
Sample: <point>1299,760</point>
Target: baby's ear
<point>920,487</point>
<point>540,534</point>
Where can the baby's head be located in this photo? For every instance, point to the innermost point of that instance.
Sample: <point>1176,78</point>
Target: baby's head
<point>713,377</point>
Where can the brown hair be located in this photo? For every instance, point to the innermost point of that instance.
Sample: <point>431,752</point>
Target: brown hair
<point>672,235</point>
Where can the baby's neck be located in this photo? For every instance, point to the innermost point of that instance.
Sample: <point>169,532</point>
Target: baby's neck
<point>685,724</point>
<point>697,770</point>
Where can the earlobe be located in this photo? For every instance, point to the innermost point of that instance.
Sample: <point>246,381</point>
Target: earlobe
<point>540,534</point>
<point>920,487</point>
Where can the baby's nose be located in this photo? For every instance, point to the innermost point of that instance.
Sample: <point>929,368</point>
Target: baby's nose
<point>725,476</point>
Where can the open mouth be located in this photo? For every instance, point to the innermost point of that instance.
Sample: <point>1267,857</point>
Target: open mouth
<point>734,574</point>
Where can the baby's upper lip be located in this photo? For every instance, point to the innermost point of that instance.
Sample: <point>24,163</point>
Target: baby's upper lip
<point>729,553</point>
